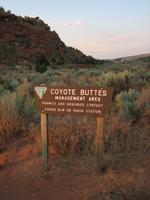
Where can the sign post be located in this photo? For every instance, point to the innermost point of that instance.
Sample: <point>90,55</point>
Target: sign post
<point>44,138</point>
<point>73,101</point>
<point>99,144</point>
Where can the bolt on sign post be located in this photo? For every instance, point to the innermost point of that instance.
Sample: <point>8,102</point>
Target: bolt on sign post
<point>73,101</point>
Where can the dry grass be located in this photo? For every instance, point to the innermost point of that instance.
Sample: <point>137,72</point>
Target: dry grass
<point>72,135</point>
<point>10,120</point>
<point>16,110</point>
<point>144,98</point>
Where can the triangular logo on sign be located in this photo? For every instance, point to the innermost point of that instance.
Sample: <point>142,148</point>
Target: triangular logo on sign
<point>40,91</point>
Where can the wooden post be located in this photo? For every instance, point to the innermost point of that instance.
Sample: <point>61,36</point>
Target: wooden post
<point>99,144</point>
<point>44,137</point>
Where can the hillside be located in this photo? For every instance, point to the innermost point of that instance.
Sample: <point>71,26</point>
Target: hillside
<point>26,40</point>
<point>135,57</point>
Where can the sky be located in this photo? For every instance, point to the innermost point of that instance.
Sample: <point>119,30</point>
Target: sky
<point>104,29</point>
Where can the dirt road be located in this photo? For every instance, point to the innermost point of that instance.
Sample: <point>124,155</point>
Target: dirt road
<point>23,178</point>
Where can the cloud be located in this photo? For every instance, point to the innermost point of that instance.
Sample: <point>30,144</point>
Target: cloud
<point>122,37</point>
<point>72,23</point>
<point>119,37</point>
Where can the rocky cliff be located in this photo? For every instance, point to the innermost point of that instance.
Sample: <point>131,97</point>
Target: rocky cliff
<point>23,40</point>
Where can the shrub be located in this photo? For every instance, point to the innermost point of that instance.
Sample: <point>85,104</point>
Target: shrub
<point>126,102</point>
<point>11,85</point>
<point>41,68</point>
<point>140,77</point>
<point>144,98</point>
<point>120,81</point>
<point>2,10</point>
<point>18,111</point>
<point>1,89</point>
<point>41,64</point>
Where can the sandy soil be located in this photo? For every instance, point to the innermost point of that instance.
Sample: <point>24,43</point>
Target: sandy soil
<point>22,177</point>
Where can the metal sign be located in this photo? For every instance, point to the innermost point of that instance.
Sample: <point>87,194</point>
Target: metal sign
<point>73,100</point>
<point>40,91</point>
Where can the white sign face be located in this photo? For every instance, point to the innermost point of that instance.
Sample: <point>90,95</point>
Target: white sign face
<point>40,91</point>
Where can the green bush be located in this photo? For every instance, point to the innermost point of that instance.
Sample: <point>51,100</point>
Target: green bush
<point>11,85</point>
<point>120,81</point>
<point>1,89</point>
<point>41,68</point>
<point>126,101</point>
<point>41,64</point>
<point>140,77</point>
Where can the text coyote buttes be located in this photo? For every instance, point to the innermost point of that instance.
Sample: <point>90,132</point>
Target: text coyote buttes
<point>83,92</point>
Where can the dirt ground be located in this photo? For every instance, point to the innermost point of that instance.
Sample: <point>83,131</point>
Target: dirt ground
<point>22,177</point>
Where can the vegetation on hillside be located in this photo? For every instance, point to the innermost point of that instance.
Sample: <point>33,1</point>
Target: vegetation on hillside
<point>126,129</point>
<point>23,40</point>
